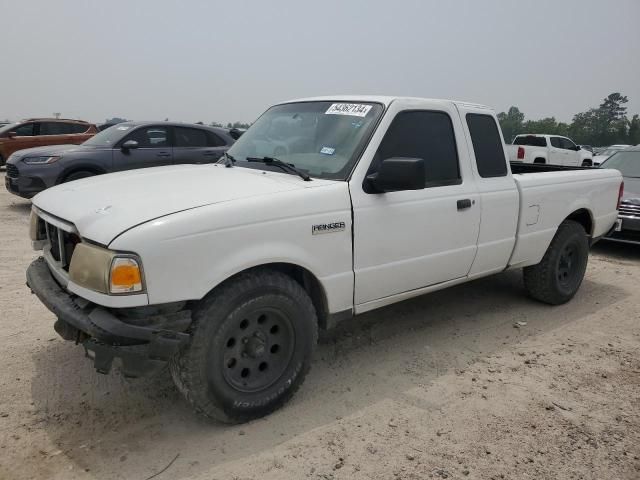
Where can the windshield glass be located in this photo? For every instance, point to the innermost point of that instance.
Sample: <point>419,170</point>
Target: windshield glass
<point>8,128</point>
<point>109,136</point>
<point>323,139</point>
<point>627,162</point>
<point>610,151</point>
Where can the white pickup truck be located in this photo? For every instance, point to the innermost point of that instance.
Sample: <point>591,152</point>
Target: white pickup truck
<point>550,149</point>
<point>226,271</point>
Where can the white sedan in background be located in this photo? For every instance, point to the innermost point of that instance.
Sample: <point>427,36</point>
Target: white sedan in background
<point>602,156</point>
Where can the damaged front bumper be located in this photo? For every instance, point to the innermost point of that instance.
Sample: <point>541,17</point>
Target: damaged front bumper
<point>143,342</point>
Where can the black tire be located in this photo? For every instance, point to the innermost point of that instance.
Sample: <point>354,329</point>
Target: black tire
<point>2,162</point>
<point>262,324</point>
<point>539,160</point>
<point>558,276</point>
<point>78,175</point>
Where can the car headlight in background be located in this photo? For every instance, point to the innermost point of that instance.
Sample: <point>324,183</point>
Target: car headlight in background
<point>44,160</point>
<point>104,271</point>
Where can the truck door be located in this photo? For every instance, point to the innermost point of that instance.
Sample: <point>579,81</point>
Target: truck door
<point>499,198</point>
<point>557,153</point>
<point>407,240</point>
<point>573,153</point>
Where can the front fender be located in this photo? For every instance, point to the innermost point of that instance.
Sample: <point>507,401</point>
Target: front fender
<point>187,254</point>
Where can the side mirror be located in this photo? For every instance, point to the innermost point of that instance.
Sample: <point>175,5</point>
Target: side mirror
<point>578,148</point>
<point>12,134</point>
<point>129,144</point>
<point>397,174</point>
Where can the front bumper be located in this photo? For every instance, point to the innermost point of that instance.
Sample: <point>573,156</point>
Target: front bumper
<point>143,347</point>
<point>26,187</point>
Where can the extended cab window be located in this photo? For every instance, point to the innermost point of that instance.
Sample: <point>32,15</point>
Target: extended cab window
<point>427,135</point>
<point>190,137</point>
<point>487,145</point>
<point>150,137</point>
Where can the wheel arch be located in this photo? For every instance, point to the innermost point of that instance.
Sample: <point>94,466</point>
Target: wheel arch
<point>584,217</point>
<point>79,167</point>
<point>310,282</point>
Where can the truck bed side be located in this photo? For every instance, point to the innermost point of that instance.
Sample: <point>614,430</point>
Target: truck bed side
<point>548,198</point>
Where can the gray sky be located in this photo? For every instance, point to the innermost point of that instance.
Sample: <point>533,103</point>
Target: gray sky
<point>229,60</point>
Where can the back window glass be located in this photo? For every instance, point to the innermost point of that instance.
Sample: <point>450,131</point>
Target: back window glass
<point>531,141</point>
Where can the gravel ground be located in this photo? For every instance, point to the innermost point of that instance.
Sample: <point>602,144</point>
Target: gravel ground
<point>443,386</point>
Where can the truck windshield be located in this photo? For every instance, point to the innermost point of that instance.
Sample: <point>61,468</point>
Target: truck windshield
<point>322,139</point>
<point>627,162</point>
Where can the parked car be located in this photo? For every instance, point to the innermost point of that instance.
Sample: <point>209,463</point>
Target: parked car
<point>36,132</point>
<point>627,228</point>
<point>124,146</point>
<point>551,149</point>
<point>607,152</point>
<point>227,271</point>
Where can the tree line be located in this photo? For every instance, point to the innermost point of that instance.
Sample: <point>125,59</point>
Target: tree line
<point>608,124</point>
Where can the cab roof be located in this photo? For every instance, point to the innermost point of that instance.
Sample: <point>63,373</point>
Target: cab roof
<point>383,99</point>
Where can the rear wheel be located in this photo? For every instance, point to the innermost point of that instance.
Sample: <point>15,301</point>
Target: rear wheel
<point>2,162</point>
<point>558,276</point>
<point>78,175</point>
<point>251,347</point>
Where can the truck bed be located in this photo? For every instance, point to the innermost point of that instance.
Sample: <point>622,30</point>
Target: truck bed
<point>524,168</point>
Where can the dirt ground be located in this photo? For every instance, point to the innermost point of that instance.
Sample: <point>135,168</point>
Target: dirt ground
<point>442,386</point>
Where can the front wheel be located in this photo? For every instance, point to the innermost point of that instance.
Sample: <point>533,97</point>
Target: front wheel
<point>558,276</point>
<point>251,347</point>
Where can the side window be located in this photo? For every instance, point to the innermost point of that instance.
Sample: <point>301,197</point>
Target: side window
<point>150,137</point>
<point>556,142</point>
<point>487,145</point>
<point>24,130</point>
<point>76,127</point>
<point>427,135</point>
<point>189,137</point>
<point>568,144</point>
<point>53,128</point>
<point>214,140</point>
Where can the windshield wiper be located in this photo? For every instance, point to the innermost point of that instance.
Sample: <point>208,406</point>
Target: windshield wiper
<point>279,163</point>
<point>228,160</point>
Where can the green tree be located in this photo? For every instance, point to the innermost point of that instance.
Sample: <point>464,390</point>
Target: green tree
<point>634,130</point>
<point>511,123</point>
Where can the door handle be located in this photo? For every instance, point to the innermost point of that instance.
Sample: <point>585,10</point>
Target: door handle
<point>464,204</point>
<point>164,154</point>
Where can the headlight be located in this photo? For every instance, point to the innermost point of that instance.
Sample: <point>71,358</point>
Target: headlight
<point>104,271</point>
<point>44,160</point>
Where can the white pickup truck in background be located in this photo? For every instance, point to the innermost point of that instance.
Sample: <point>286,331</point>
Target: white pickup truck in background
<point>226,271</point>
<point>549,149</point>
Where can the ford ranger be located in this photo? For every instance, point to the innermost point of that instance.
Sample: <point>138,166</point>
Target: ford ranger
<point>225,272</point>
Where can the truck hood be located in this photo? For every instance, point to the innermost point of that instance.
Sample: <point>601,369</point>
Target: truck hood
<point>103,207</point>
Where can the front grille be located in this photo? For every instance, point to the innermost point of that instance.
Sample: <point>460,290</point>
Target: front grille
<point>629,209</point>
<point>12,171</point>
<point>62,244</point>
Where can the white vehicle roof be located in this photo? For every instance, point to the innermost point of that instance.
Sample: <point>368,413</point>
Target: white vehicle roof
<point>385,100</point>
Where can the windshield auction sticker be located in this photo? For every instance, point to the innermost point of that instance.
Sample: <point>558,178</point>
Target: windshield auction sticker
<point>353,109</point>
